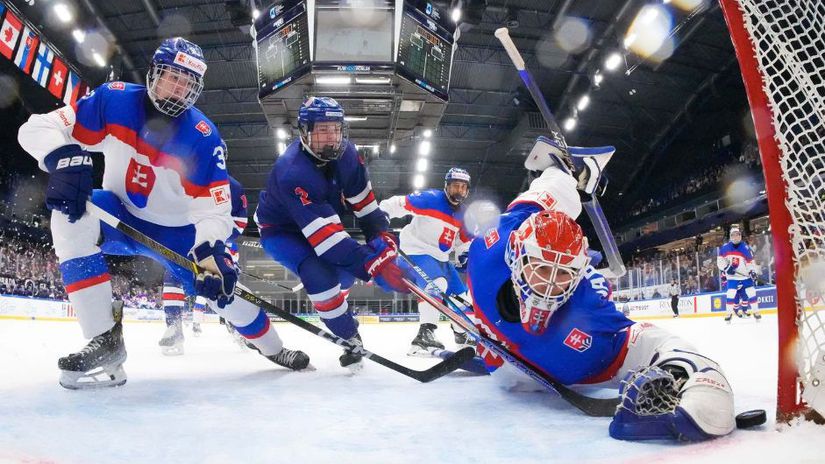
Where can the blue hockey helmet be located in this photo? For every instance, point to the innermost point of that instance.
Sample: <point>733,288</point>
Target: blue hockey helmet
<point>175,77</point>
<point>457,196</point>
<point>326,146</point>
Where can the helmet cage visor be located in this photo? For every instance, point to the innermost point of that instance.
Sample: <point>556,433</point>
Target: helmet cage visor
<point>172,89</point>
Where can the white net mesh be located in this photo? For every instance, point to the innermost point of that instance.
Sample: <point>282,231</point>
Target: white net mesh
<point>788,38</point>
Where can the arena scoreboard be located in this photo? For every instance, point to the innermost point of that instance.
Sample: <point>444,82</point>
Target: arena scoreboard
<point>425,49</point>
<point>282,45</point>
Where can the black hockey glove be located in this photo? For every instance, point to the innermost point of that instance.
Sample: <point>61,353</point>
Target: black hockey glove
<point>70,180</point>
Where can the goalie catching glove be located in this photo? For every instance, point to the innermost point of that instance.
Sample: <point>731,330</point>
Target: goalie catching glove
<point>217,282</point>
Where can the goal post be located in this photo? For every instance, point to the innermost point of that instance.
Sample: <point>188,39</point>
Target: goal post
<point>779,45</point>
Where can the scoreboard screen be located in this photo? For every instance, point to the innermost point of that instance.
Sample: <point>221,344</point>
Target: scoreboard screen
<point>425,52</point>
<point>282,37</point>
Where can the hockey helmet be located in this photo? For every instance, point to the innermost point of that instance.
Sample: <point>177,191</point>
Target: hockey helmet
<point>547,256</point>
<point>175,77</point>
<point>735,235</point>
<point>330,143</point>
<point>457,175</point>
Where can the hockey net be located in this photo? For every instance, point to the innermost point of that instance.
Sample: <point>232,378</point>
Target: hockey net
<point>779,45</point>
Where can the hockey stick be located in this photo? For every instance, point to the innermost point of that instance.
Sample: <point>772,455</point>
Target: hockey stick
<point>596,407</point>
<point>592,207</point>
<point>427,375</point>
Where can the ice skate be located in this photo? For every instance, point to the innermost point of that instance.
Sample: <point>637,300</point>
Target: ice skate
<point>171,344</point>
<point>196,329</point>
<point>296,360</point>
<point>757,316</point>
<point>728,318</point>
<point>425,342</point>
<point>463,339</point>
<point>98,365</point>
<point>352,358</point>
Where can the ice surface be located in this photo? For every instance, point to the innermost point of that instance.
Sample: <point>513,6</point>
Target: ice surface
<point>218,404</point>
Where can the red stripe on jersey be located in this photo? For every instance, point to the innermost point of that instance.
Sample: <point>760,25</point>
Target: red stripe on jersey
<point>330,304</point>
<point>324,233</point>
<point>86,283</point>
<point>174,297</point>
<point>361,204</point>
<point>433,213</point>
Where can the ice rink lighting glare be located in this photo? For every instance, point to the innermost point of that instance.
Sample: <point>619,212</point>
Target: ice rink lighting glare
<point>280,133</point>
<point>569,124</point>
<point>281,148</point>
<point>573,35</point>
<point>62,11</point>
<point>79,36</point>
<point>333,80</point>
<point>422,165</point>
<point>99,60</point>
<point>583,103</point>
<point>455,15</point>
<point>613,61</point>
<point>649,34</point>
<point>427,133</point>
<point>355,118</point>
<point>424,148</point>
<point>418,181</point>
<point>689,5</point>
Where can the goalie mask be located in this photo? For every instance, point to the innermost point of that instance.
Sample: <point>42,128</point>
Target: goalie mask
<point>322,128</point>
<point>175,77</point>
<point>547,256</point>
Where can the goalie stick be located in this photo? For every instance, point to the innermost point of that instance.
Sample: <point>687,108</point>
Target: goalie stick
<point>596,407</point>
<point>439,370</point>
<point>592,206</point>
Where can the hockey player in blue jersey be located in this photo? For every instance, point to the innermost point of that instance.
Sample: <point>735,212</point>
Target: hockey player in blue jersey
<point>738,268</point>
<point>173,295</point>
<point>166,176</point>
<point>437,229</point>
<point>317,178</point>
<point>534,290</point>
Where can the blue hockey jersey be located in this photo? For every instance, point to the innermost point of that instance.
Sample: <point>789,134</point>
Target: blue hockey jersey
<point>587,337</point>
<point>168,171</point>
<point>305,198</point>
<point>240,208</point>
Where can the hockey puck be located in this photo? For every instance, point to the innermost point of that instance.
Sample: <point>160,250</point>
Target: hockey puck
<point>751,418</point>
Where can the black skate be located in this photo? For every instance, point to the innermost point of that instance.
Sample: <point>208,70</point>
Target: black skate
<point>352,358</point>
<point>171,344</point>
<point>757,316</point>
<point>728,318</point>
<point>99,364</point>
<point>463,339</point>
<point>196,329</point>
<point>291,359</point>
<point>425,342</point>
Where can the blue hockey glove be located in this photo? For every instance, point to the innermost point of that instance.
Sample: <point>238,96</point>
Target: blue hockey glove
<point>462,259</point>
<point>217,283</point>
<point>596,257</point>
<point>753,276</point>
<point>384,266</point>
<point>70,180</point>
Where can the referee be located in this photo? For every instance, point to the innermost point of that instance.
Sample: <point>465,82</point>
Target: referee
<point>673,291</point>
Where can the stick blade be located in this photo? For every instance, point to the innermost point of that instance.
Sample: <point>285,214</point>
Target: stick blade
<point>448,365</point>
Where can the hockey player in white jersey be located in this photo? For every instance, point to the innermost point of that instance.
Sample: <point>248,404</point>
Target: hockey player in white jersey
<point>437,229</point>
<point>738,268</point>
<point>165,176</point>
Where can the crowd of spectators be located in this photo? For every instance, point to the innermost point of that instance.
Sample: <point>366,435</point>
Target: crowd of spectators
<point>704,181</point>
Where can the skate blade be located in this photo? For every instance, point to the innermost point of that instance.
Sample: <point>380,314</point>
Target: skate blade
<point>421,352</point>
<point>172,350</point>
<point>94,379</point>
<point>355,368</point>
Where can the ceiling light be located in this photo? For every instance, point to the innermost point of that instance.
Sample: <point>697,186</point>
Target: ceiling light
<point>569,123</point>
<point>373,80</point>
<point>64,14</point>
<point>597,78</point>
<point>418,181</point>
<point>98,59</point>
<point>584,101</point>
<point>422,165</point>
<point>629,39</point>
<point>424,148</point>
<point>427,133</point>
<point>455,15</point>
<point>613,61</point>
<point>281,133</point>
<point>333,80</point>
<point>355,118</point>
<point>375,150</point>
<point>79,36</point>
<point>255,13</point>
<point>392,148</point>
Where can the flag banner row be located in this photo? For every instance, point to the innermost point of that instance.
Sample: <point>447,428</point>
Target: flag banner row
<point>20,44</point>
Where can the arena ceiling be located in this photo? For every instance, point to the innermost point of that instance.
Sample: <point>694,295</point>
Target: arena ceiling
<point>641,108</point>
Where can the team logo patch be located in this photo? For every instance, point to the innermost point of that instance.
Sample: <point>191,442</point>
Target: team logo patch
<point>491,238</point>
<point>578,340</point>
<point>116,85</point>
<point>140,179</point>
<point>547,200</point>
<point>220,194</point>
<point>203,128</point>
<point>445,242</point>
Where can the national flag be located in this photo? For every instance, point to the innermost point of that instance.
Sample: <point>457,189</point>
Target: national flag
<point>2,9</point>
<point>9,34</point>
<point>72,89</point>
<point>27,50</point>
<point>57,82</point>
<point>42,65</point>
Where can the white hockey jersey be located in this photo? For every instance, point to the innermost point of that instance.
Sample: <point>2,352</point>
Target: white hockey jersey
<point>168,172</point>
<point>436,229</point>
